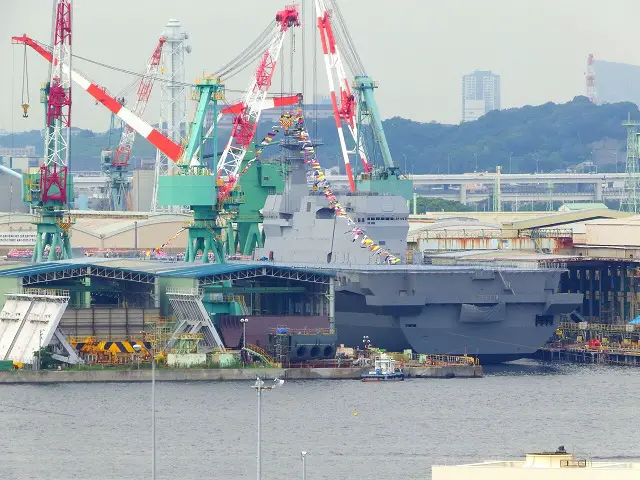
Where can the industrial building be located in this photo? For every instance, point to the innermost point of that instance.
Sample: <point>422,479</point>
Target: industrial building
<point>116,300</point>
<point>102,231</point>
<point>598,247</point>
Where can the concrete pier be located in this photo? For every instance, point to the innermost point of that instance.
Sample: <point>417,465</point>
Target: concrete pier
<point>604,356</point>
<point>213,375</point>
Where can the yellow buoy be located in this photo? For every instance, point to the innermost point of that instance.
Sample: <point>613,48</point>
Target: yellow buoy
<point>355,412</point>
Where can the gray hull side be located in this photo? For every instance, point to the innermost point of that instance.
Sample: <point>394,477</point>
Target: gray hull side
<point>498,316</point>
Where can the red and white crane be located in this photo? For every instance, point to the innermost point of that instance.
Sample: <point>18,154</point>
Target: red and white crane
<point>343,102</point>
<point>123,152</point>
<point>247,112</point>
<point>133,121</point>
<point>246,122</point>
<point>54,171</point>
<point>157,139</point>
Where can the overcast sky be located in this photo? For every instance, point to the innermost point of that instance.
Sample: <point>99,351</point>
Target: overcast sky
<point>416,49</point>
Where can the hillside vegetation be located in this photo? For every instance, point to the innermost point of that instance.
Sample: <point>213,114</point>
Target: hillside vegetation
<point>546,137</point>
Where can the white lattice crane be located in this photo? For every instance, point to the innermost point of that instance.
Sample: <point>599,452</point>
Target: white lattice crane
<point>246,122</point>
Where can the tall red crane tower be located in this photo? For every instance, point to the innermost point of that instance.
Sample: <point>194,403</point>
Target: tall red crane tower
<point>50,190</point>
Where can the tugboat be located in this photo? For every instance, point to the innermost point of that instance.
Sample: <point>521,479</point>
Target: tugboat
<point>384,370</point>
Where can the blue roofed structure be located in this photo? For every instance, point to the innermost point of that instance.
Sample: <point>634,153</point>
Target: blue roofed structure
<point>115,299</point>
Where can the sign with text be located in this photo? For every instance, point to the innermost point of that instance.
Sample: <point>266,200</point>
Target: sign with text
<point>17,238</point>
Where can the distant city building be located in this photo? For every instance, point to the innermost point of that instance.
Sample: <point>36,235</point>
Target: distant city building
<point>29,151</point>
<point>616,82</point>
<point>480,94</point>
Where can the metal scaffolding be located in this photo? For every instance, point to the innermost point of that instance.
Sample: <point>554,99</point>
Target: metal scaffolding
<point>631,199</point>
<point>280,348</point>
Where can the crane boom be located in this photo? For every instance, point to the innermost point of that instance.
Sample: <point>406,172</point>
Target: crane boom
<point>246,123</point>
<point>123,152</point>
<point>133,121</point>
<point>157,139</point>
<point>345,110</point>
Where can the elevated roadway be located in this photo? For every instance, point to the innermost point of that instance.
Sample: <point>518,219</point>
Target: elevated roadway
<point>591,186</point>
<point>489,178</point>
<point>588,186</point>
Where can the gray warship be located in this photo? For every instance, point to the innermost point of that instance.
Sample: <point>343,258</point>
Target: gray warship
<point>496,313</point>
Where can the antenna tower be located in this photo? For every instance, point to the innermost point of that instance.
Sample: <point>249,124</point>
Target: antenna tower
<point>631,199</point>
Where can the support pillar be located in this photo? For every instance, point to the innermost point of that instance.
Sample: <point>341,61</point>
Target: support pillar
<point>623,295</point>
<point>332,304</point>
<point>463,194</point>
<point>598,191</point>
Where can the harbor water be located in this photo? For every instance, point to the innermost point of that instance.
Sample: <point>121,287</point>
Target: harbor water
<point>208,430</point>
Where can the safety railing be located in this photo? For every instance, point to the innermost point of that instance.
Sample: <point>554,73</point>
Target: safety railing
<point>597,327</point>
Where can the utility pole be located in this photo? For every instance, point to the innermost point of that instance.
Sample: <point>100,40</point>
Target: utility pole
<point>137,347</point>
<point>303,454</point>
<point>153,415</point>
<point>259,386</point>
<point>244,321</point>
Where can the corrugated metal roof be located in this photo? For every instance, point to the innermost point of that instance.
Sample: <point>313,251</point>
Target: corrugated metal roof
<point>204,270</point>
<point>39,269</point>
<point>153,267</point>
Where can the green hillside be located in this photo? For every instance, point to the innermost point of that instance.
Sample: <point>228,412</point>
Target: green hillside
<point>546,137</point>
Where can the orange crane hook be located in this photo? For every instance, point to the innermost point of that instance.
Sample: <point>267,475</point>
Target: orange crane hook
<point>25,85</point>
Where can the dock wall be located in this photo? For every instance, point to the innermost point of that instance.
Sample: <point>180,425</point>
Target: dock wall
<point>193,375</point>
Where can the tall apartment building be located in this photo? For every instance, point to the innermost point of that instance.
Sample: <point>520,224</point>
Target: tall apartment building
<point>616,82</point>
<point>480,94</point>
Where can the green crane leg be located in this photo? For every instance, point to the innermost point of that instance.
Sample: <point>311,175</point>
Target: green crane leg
<point>249,235</point>
<point>229,244</point>
<point>205,251</point>
<point>52,247</point>
<point>187,252</point>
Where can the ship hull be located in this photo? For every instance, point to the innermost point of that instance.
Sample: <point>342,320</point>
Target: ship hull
<point>491,346</point>
<point>444,316</point>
